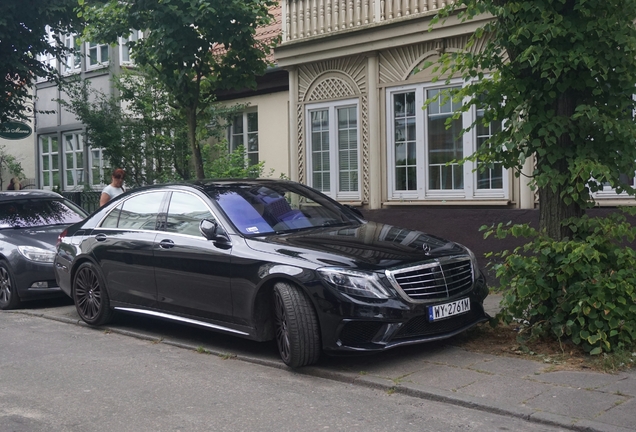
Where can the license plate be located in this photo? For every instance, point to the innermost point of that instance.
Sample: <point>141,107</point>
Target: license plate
<point>446,310</point>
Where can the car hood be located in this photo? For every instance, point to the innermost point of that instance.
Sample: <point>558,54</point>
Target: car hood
<point>369,246</point>
<point>43,237</point>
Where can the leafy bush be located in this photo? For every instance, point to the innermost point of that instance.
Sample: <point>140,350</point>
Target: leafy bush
<point>581,288</point>
<point>219,163</point>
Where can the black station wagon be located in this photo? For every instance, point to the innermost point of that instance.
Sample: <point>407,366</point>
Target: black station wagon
<point>269,259</point>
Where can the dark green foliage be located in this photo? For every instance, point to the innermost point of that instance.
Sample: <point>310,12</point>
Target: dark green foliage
<point>219,163</point>
<point>149,138</point>
<point>561,74</point>
<point>22,37</point>
<point>193,48</point>
<point>581,288</point>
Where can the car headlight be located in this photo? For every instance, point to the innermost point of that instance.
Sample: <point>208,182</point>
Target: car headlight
<point>36,254</point>
<point>354,282</point>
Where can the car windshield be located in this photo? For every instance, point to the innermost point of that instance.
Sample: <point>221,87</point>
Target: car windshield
<point>257,209</point>
<point>38,212</point>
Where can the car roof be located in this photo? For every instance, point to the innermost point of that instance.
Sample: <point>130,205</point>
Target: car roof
<point>27,194</point>
<point>237,182</point>
<point>208,184</point>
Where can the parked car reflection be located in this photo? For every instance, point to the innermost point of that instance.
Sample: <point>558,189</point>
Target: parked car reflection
<point>269,259</point>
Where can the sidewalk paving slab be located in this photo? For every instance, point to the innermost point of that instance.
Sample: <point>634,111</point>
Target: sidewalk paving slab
<point>623,415</point>
<point>497,387</point>
<point>503,366</point>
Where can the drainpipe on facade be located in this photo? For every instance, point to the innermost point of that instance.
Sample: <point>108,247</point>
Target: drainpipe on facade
<point>526,195</point>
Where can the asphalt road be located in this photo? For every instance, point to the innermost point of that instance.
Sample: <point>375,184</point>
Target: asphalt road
<point>56,376</point>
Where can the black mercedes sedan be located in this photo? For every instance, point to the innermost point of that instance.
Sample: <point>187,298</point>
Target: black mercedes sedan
<point>269,259</point>
<point>30,222</point>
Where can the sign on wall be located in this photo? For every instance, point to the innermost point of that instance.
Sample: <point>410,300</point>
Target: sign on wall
<point>15,130</point>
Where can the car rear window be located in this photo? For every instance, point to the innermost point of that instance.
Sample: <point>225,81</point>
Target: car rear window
<point>31,213</point>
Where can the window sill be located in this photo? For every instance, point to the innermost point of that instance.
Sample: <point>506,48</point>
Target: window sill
<point>614,201</point>
<point>98,67</point>
<point>448,202</point>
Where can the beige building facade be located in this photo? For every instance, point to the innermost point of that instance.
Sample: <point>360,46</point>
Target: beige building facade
<point>263,131</point>
<point>357,85</point>
<point>356,124</point>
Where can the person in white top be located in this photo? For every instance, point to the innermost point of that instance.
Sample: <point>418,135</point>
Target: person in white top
<point>115,188</point>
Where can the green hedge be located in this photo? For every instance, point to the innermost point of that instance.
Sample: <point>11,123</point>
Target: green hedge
<point>581,288</point>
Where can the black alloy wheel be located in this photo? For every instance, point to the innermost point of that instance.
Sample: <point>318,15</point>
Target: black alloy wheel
<point>8,291</point>
<point>296,323</point>
<point>90,296</point>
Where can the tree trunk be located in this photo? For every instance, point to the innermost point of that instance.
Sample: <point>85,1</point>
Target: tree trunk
<point>197,160</point>
<point>552,208</point>
<point>553,211</point>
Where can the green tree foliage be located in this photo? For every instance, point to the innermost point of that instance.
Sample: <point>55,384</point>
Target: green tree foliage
<point>561,75</point>
<point>581,288</point>
<point>22,37</point>
<point>219,163</point>
<point>8,163</point>
<point>193,47</point>
<point>149,138</point>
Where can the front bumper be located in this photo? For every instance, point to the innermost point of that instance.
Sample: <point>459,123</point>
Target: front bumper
<point>35,280</point>
<point>399,323</point>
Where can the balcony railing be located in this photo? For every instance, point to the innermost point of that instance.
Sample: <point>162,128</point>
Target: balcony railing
<point>308,18</point>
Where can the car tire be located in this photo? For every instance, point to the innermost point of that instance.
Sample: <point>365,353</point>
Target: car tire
<point>90,296</point>
<point>9,298</point>
<point>296,324</point>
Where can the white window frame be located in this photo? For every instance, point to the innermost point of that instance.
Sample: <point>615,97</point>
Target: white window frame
<point>101,167</point>
<point>608,192</point>
<point>469,145</point>
<point>100,63</point>
<point>246,135</point>
<point>78,173</point>
<point>72,62</point>
<point>334,172</point>
<point>486,193</point>
<point>134,35</point>
<point>48,58</point>
<point>52,158</point>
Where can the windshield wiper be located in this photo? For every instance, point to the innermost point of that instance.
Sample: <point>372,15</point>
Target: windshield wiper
<point>313,227</point>
<point>334,223</point>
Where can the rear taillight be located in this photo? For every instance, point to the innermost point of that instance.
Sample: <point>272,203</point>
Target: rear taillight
<point>61,237</point>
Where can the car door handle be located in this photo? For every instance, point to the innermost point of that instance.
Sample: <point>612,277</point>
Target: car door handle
<point>100,237</point>
<point>166,244</point>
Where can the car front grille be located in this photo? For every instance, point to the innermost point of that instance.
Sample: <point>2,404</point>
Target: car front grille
<point>433,281</point>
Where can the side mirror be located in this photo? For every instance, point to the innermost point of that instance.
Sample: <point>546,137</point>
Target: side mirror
<point>210,231</point>
<point>355,210</point>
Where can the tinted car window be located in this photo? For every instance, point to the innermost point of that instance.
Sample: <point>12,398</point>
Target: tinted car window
<point>140,212</point>
<point>185,213</point>
<point>112,219</point>
<point>38,212</point>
